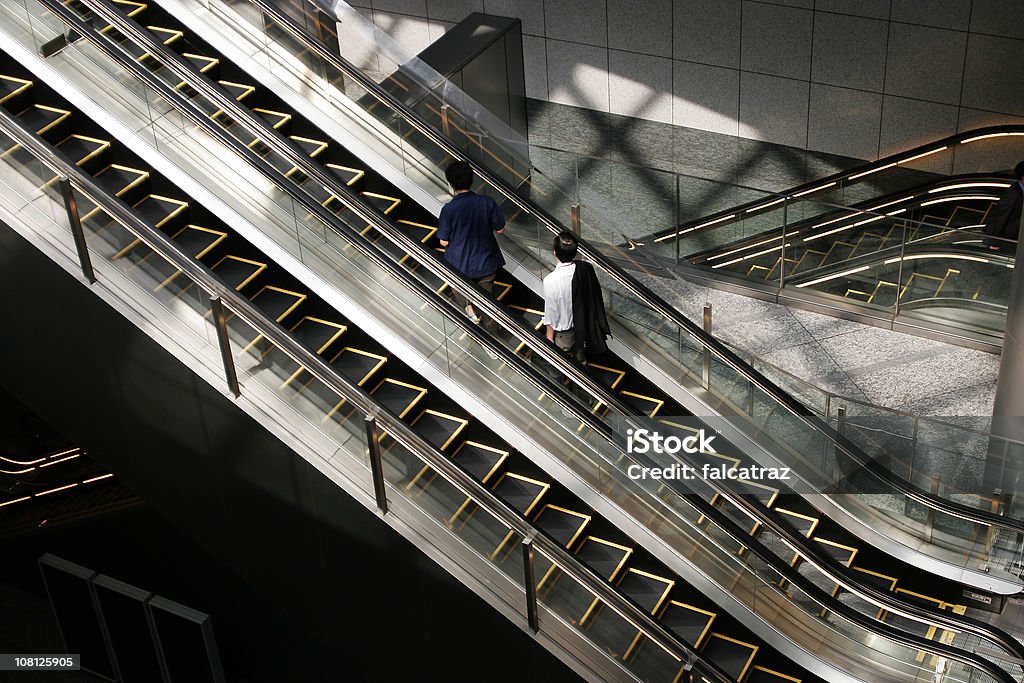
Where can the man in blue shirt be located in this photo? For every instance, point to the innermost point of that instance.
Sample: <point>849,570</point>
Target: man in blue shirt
<point>467,228</point>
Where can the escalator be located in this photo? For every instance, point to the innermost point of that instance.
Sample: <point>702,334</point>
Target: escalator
<point>879,240</point>
<point>443,423</point>
<point>56,488</point>
<point>448,426</point>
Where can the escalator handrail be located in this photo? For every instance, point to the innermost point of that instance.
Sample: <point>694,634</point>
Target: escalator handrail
<point>334,380</point>
<point>183,70</point>
<point>853,212</point>
<point>828,182</point>
<point>731,359</point>
<point>834,571</point>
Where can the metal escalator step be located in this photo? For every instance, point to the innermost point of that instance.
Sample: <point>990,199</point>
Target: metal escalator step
<point>42,117</point>
<point>11,87</point>
<point>644,405</point>
<point>237,271</point>
<point>397,396</point>
<point>119,179</point>
<point>562,524</point>
<point>167,36</point>
<point>81,148</point>
<point>316,333</point>
<point>760,674</point>
<point>157,210</point>
<point>520,492</point>
<point>480,460</point>
<point>382,202</point>
<point>277,302</point>
<point>358,365</point>
<point>609,377</point>
<point>603,556</point>
<point>646,589</point>
<point>346,174</point>
<point>194,240</point>
<point>805,524</point>
<point>691,624</point>
<point>606,559</point>
<point>421,232</point>
<point>733,656</point>
<point>439,429</point>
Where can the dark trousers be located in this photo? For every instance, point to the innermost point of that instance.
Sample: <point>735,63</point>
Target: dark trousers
<point>487,284</point>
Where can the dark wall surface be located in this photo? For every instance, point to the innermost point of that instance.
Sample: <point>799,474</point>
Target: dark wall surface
<point>355,585</point>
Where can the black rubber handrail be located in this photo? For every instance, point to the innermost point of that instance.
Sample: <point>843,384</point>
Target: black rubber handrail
<point>728,357</point>
<point>183,69</point>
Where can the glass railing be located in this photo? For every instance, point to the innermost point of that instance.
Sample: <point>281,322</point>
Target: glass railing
<point>376,275</point>
<point>676,348</point>
<point>365,448</point>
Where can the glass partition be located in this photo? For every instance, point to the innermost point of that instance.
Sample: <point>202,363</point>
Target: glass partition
<point>672,348</point>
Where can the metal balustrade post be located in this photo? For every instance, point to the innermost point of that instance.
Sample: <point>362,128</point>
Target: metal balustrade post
<point>899,273</point>
<point>71,206</point>
<point>785,228</point>
<point>530,583</point>
<point>445,122</point>
<point>575,220</point>
<point>841,419</point>
<point>220,321</point>
<point>376,464</point>
<point>706,366</point>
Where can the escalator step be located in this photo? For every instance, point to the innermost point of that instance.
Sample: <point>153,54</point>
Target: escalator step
<point>521,493</point>
<point>397,396</point>
<point>760,674</point>
<point>347,175</point>
<point>604,557</point>
<point>237,272</point>
<point>316,333</point>
<point>118,179</point>
<point>277,303</point>
<point>733,656</point>
<point>358,365</point>
<point>80,148</point>
<point>11,87</point>
<point>690,623</point>
<point>646,589</point>
<point>439,429</point>
<point>41,118</point>
<point>479,460</point>
<point>563,525</point>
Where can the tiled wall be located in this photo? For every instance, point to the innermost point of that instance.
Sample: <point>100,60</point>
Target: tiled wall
<point>859,78</point>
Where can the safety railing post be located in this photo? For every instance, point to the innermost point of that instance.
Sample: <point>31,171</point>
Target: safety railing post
<point>71,206</point>
<point>221,323</point>
<point>445,122</point>
<point>706,366</point>
<point>575,220</point>
<point>376,464</point>
<point>530,583</point>
<point>785,229</point>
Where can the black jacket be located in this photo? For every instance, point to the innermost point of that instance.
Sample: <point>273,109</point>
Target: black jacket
<point>589,321</point>
<point>1004,219</point>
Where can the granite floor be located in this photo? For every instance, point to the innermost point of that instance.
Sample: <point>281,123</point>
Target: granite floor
<point>629,169</point>
<point>849,359</point>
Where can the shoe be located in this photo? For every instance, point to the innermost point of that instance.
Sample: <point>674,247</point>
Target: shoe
<point>471,314</point>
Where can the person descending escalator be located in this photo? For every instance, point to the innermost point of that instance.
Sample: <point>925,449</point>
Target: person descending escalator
<point>1004,219</point>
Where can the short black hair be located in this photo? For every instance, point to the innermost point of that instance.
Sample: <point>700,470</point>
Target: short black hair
<point>459,175</point>
<point>1018,171</point>
<point>566,245</point>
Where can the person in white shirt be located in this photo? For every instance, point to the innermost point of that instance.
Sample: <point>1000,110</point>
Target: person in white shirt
<point>558,296</point>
